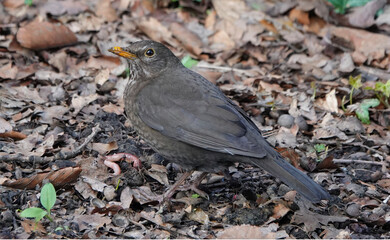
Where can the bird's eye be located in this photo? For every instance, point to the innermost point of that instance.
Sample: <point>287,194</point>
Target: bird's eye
<point>149,53</point>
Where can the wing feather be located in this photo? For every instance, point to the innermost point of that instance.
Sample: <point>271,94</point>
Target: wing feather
<point>206,119</point>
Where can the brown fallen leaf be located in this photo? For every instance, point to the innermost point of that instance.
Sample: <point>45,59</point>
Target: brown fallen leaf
<point>253,232</point>
<point>299,16</point>
<point>45,35</point>
<point>5,126</point>
<point>155,30</point>
<point>290,154</point>
<point>327,163</point>
<point>280,210</point>
<point>31,226</point>
<point>13,134</point>
<point>93,221</point>
<point>190,40</point>
<point>106,11</point>
<point>199,216</point>
<point>104,148</point>
<point>8,71</point>
<point>371,45</point>
<point>312,220</point>
<point>59,178</point>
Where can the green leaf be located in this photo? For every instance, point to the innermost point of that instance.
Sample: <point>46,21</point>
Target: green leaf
<point>127,72</point>
<point>339,5</point>
<point>34,212</point>
<point>362,109</point>
<point>357,3</point>
<point>188,62</point>
<point>48,196</point>
<point>58,229</point>
<point>320,147</point>
<point>195,195</point>
<point>383,88</point>
<point>356,82</point>
<point>28,2</point>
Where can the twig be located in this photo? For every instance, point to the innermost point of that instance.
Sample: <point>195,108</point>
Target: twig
<point>342,160</point>
<point>59,156</point>
<point>225,69</point>
<point>386,200</point>
<point>351,144</point>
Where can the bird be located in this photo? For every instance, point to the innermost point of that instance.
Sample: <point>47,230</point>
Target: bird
<point>189,121</point>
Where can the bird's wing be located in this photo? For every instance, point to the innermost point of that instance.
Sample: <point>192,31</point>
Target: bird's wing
<point>197,113</point>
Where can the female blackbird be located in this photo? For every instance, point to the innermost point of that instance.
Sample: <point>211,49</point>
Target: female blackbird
<point>190,122</point>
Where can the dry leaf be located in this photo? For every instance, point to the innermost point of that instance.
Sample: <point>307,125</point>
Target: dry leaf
<point>253,232</point>
<point>94,221</point>
<point>159,173</point>
<point>155,30</point>
<point>31,226</point>
<point>14,135</point>
<point>280,210</point>
<point>59,178</point>
<point>105,10</point>
<point>5,126</point>
<point>312,220</point>
<point>330,102</point>
<point>199,216</point>
<point>104,148</point>
<point>299,16</point>
<point>45,35</point>
<point>191,42</point>
<point>8,71</point>
<point>78,102</point>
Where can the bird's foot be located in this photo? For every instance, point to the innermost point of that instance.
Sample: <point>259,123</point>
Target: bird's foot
<point>194,186</point>
<point>109,161</point>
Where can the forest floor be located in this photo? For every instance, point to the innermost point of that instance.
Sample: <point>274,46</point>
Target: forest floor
<point>316,82</point>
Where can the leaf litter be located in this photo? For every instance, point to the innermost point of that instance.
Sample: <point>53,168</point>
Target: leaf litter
<point>284,63</point>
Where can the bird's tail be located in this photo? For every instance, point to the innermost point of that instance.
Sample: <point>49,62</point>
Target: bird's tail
<point>292,176</point>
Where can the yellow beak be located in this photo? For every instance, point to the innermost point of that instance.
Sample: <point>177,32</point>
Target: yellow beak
<point>120,52</point>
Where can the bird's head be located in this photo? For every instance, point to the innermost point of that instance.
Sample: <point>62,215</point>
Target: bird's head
<point>147,59</point>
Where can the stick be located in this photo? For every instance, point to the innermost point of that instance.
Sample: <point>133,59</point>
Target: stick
<point>59,156</point>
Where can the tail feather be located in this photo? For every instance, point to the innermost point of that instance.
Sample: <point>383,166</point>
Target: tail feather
<point>293,177</point>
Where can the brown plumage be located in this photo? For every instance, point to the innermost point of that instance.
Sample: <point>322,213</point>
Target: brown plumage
<point>189,121</point>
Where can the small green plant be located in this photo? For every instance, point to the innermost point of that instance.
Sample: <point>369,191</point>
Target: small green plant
<point>127,72</point>
<point>362,109</point>
<point>314,87</point>
<point>356,83</point>
<point>195,195</point>
<point>340,6</point>
<point>28,2</point>
<point>48,198</point>
<point>188,62</point>
<point>320,147</point>
<point>382,92</point>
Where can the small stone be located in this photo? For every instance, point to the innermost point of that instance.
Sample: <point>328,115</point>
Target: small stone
<point>379,211</point>
<point>98,203</point>
<point>346,63</point>
<point>301,122</point>
<point>274,114</point>
<point>373,193</point>
<point>286,120</point>
<point>353,210</point>
<point>109,193</point>
<point>120,221</point>
<point>7,216</point>
<point>351,125</point>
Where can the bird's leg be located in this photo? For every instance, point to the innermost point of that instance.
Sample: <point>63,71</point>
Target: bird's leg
<point>109,161</point>
<point>168,194</point>
<point>195,184</point>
